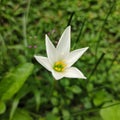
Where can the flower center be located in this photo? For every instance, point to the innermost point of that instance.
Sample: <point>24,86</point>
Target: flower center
<point>59,66</point>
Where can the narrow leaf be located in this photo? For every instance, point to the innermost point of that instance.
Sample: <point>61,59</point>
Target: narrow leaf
<point>2,107</point>
<point>14,80</point>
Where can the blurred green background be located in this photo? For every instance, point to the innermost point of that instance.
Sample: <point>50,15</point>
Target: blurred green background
<point>27,90</point>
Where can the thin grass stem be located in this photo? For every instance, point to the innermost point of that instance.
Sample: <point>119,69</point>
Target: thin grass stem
<point>3,49</point>
<point>79,35</point>
<point>94,109</point>
<point>102,27</point>
<point>96,65</point>
<point>70,19</point>
<point>25,21</point>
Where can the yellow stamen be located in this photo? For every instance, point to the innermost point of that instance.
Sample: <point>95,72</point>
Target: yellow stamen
<point>59,66</point>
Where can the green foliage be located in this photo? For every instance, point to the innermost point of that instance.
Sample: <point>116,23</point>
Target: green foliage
<point>2,107</point>
<point>51,116</point>
<point>101,97</point>
<point>14,80</point>
<point>32,94</point>
<point>76,89</point>
<point>111,113</point>
<point>21,115</point>
<point>14,107</point>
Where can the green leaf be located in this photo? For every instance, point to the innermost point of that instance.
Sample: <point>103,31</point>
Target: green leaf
<point>93,118</point>
<point>65,82</point>
<point>111,112</point>
<point>14,80</point>
<point>14,107</point>
<point>76,89</point>
<point>51,116</point>
<point>21,115</point>
<point>55,110</point>
<point>54,101</point>
<point>100,97</point>
<point>66,114</point>
<point>2,107</point>
<point>37,99</point>
<point>69,94</point>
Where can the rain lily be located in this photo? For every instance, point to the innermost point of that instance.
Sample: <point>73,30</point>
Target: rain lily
<point>59,59</point>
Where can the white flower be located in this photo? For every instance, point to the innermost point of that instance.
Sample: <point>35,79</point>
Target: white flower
<point>59,59</point>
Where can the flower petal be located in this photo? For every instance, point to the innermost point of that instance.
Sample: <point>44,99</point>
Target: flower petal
<point>73,72</point>
<point>50,49</point>
<point>44,62</point>
<point>63,46</point>
<point>74,56</point>
<point>57,75</point>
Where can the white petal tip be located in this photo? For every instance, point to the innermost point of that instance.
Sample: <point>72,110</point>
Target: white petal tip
<point>84,77</point>
<point>81,77</point>
<point>57,79</point>
<point>46,36</point>
<point>69,27</point>
<point>86,48</point>
<point>35,56</point>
